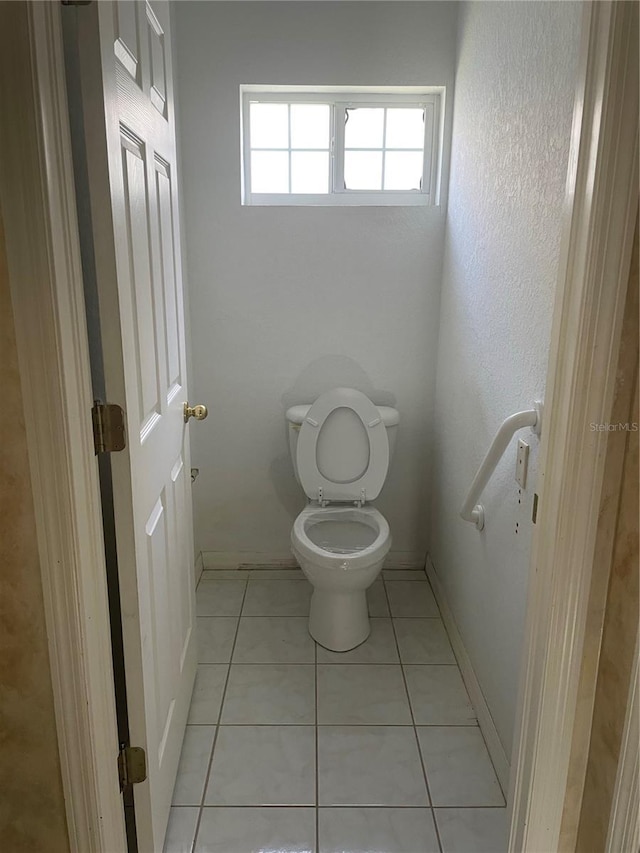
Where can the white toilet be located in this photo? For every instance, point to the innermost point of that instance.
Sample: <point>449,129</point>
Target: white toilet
<point>341,447</point>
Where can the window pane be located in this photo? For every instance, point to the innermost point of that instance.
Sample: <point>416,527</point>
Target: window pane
<point>310,126</point>
<point>363,127</point>
<point>403,170</point>
<point>269,172</point>
<point>309,172</point>
<point>405,128</point>
<point>269,125</point>
<point>363,170</point>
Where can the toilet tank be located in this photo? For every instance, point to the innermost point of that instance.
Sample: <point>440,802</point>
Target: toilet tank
<point>296,415</point>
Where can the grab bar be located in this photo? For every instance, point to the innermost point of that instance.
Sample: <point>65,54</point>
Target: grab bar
<point>471,510</point>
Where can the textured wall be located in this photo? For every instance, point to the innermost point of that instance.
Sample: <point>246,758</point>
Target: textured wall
<point>287,302</point>
<point>32,813</point>
<point>514,95</point>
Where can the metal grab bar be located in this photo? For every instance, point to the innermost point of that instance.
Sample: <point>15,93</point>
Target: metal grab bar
<point>471,510</point>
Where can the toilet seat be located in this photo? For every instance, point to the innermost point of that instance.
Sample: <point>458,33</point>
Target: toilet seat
<point>366,485</point>
<point>334,559</point>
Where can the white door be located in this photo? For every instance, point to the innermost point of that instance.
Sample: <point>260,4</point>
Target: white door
<point>127,101</point>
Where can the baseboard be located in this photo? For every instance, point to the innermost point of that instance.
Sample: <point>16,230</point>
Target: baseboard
<point>485,720</point>
<point>225,560</point>
<point>198,567</point>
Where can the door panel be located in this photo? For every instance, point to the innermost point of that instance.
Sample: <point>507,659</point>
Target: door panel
<point>127,93</point>
<point>158,90</point>
<point>167,236</point>
<point>126,42</point>
<point>140,286</point>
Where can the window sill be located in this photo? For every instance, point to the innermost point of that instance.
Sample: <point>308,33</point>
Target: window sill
<point>363,199</point>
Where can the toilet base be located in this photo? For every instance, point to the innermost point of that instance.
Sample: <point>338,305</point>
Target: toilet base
<point>339,619</point>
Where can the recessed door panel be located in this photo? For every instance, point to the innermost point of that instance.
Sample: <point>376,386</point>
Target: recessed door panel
<point>126,44</point>
<point>141,289</point>
<point>159,648</point>
<point>184,613</point>
<point>158,87</point>
<point>168,272</point>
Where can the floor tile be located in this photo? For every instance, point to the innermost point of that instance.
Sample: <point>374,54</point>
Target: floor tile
<point>228,830</point>
<point>215,638</point>
<point>369,766</point>
<point>473,830</point>
<point>277,597</point>
<point>270,694</point>
<point>379,647</point>
<point>194,762</point>
<point>377,831</point>
<point>181,830</point>
<point>273,639</point>
<point>369,694</point>
<point>438,696</point>
<point>207,693</point>
<point>219,597</point>
<point>408,600</point>
<point>404,575</point>
<point>458,767</point>
<point>263,765</point>
<point>423,641</point>
<point>377,600</point>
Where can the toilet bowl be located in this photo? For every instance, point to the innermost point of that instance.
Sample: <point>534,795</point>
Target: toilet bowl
<point>341,446</point>
<point>341,550</point>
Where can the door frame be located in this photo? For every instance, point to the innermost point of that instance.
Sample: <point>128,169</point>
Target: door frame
<point>43,252</point>
<point>36,183</point>
<point>601,206</point>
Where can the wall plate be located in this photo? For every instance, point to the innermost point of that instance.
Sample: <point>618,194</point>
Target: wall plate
<point>522,463</point>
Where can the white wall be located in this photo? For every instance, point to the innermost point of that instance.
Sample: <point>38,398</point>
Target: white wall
<point>288,302</point>
<point>515,81</point>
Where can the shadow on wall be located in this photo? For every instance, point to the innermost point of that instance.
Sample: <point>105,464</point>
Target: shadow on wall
<point>322,374</point>
<point>333,371</point>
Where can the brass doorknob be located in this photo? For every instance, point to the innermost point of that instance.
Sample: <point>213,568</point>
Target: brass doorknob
<point>199,412</point>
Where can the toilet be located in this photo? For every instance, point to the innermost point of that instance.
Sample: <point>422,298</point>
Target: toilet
<point>341,447</point>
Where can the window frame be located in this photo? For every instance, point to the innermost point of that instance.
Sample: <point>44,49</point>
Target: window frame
<point>431,99</point>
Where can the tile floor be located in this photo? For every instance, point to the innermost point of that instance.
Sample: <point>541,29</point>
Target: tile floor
<point>291,748</point>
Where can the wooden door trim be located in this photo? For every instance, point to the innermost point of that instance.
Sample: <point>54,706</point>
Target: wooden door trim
<point>36,181</point>
<point>624,826</point>
<point>601,204</point>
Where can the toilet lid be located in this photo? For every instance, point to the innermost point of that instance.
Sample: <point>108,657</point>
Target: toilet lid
<point>343,448</point>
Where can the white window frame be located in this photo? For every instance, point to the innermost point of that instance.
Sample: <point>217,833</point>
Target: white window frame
<point>431,99</point>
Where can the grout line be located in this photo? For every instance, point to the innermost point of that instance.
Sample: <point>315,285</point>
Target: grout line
<point>343,725</point>
<point>375,806</point>
<point>415,730</point>
<point>320,663</point>
<point>299,616</point>
<point>215,737</point>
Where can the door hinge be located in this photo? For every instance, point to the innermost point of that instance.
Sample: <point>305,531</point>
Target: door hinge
<point>108,427</point>
<point>534,511</point>
<point>132,766</point>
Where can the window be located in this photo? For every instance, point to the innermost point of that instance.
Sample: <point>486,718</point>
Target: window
<point>326,146</point>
